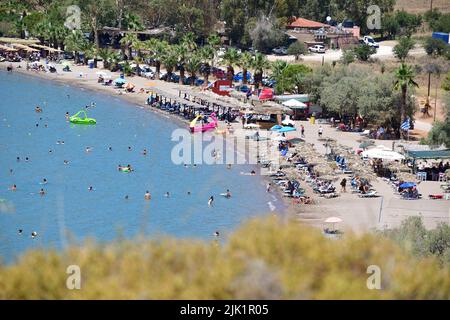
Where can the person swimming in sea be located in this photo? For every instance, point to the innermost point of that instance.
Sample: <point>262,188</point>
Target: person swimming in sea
<point>27,159</point>
<point>147,195</point>
<point>88,149</point>
<point>126,197</point>
<point>13,187</point>
<point>188,193</point>
<point>11,171</point>
<point>67,116</point>
<point>253,172</point>
<point>66,162</point>
<point>38,109</point>
<point>228,194</point>
<point>20,231</point>
<point>167,195</point>
<point>34,234</point>
<point>91,188</point>
<point>210,201</point>
<point>37,124</point>
<point>216,234</point>
<point>44,181</point>
<point>144,152</point>
<point>18,159</point>
<point>50,151</point>
<point>42,192</point>
<point>110,148</point>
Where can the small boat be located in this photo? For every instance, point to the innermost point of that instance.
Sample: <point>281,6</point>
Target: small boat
<point>78,119</point>
<point>194,127</point>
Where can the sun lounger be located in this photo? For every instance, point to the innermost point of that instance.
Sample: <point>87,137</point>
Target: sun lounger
<point>371,194</point>
<point>364,133</point>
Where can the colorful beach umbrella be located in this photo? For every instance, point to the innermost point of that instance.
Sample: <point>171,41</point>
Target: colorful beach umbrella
<point>286,129</point>
<point>276,127</point>
<point>119,81</point>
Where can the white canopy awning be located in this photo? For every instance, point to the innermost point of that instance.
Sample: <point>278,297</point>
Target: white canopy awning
<point>383,153</point>
<point>294,103</point>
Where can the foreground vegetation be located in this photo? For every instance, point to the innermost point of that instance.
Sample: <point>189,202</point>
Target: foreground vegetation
<point>265,259</point>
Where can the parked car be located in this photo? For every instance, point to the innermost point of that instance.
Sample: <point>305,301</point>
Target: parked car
<point>147,72</point>
<point>370,42</point>
<point>68,55</point>
<point>280,50</point>
<point>318,48</point>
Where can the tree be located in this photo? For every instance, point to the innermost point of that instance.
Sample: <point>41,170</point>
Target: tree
<point>363,52</point>
<point>76,42</point>
<point>170,60</point>
<point>207,54</point>
<point>95,14</point>
<point>260,64</point>
<point>193,64</point>
<point>230,59</point>
<point>266,35</point>
<point>108,56</point>
<point>435,47</point>
<point>348,56</point>
<point>296,49</point>
<point>404,78</point>
<point>245,62</point>
<point>127,42</point>
<point>157,49</point>
<point>182,52</point>
<point>401,50</point>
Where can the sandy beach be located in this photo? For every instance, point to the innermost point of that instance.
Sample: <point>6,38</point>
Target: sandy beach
<point>359,215</point>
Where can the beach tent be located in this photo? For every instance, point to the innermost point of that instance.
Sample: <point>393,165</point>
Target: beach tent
<point>383,153</point>
<point>286,129</point>
<point>293,103</point>
<point>266,94</point>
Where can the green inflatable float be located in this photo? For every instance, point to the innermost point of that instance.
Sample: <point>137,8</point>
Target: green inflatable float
<point>76,118</point>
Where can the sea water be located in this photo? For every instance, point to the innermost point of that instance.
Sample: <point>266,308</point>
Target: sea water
<point>69,211</point>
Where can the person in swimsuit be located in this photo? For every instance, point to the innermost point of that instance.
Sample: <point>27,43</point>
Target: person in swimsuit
<point>42,192</point>
<point>210,201</point>
<point>147,195</point>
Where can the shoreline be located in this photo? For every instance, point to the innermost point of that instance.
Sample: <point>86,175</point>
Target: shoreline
<point>138,100</point>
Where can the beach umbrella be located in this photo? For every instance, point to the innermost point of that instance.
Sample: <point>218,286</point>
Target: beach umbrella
<point>279,138</point>
<point>294,103</point>
<point>276,127</point>
<point>407,185</point>
<point>377,153</point>
<point>286,129</point>
<point>119,81</point>
<point>129,86</point>
<point>333,220</point>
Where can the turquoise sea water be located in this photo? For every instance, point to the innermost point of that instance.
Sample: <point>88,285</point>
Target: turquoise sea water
<point>69,210</point>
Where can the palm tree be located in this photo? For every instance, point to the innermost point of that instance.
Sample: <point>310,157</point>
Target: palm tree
<point>404,76</point>
<point>245,62</point>
<point>214,42</point>
<point>75,42</point>
<point>182,51</point>
<point>157,50</point>
<point>193,64</point>
<point>207,53</point>
<point>230,59</point>
<point>127,41</point>
<point>170,60</point>
<point>132,22</point>
<point>107,56</point>
<point>188,41</point>
<point>260,64</point>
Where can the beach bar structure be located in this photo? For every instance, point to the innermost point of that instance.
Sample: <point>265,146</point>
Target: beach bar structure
<point>427,155</point>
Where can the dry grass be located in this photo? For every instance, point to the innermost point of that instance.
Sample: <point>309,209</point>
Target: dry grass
<point>265,259</point>
<point>421,6</point>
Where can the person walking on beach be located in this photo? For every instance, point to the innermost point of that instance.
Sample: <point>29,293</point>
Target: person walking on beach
<point>302,128</point>
<point>320,131</point>
<point>343,185</point>
<point>268,188</point>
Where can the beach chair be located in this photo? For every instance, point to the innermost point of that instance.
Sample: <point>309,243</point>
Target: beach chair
<point>370,194</point>
<point>365,133</point>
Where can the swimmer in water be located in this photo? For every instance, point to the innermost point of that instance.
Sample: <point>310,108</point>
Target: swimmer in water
<point>11,171</point>
<point>66,161</point>
<point>34,234</point>
<point>110,148</point>
<point>37,124</point>
<point>188,193</point>
<point>167,194</point>
<point>13,187</point>
<point>18,159</point>
<point>20,231</point>
<point>42,192</point>
<point>129,148</point>
<point>67,116</point>
<point>129,168</point>
<point>228,194</point>
<point>91,188</point>
<point>210,201</point>
<point>88,149</point>
<point>44,181</point>
<point>144,152</point>
<point>27,159</point>
<point>45,125</point>
<point>126,197</point>
<point>216,234</point>
<point>253,172</point>
<point>50,151</point>
<point>229,166</point>
<point>147,195</point>
<point>38,109</point>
